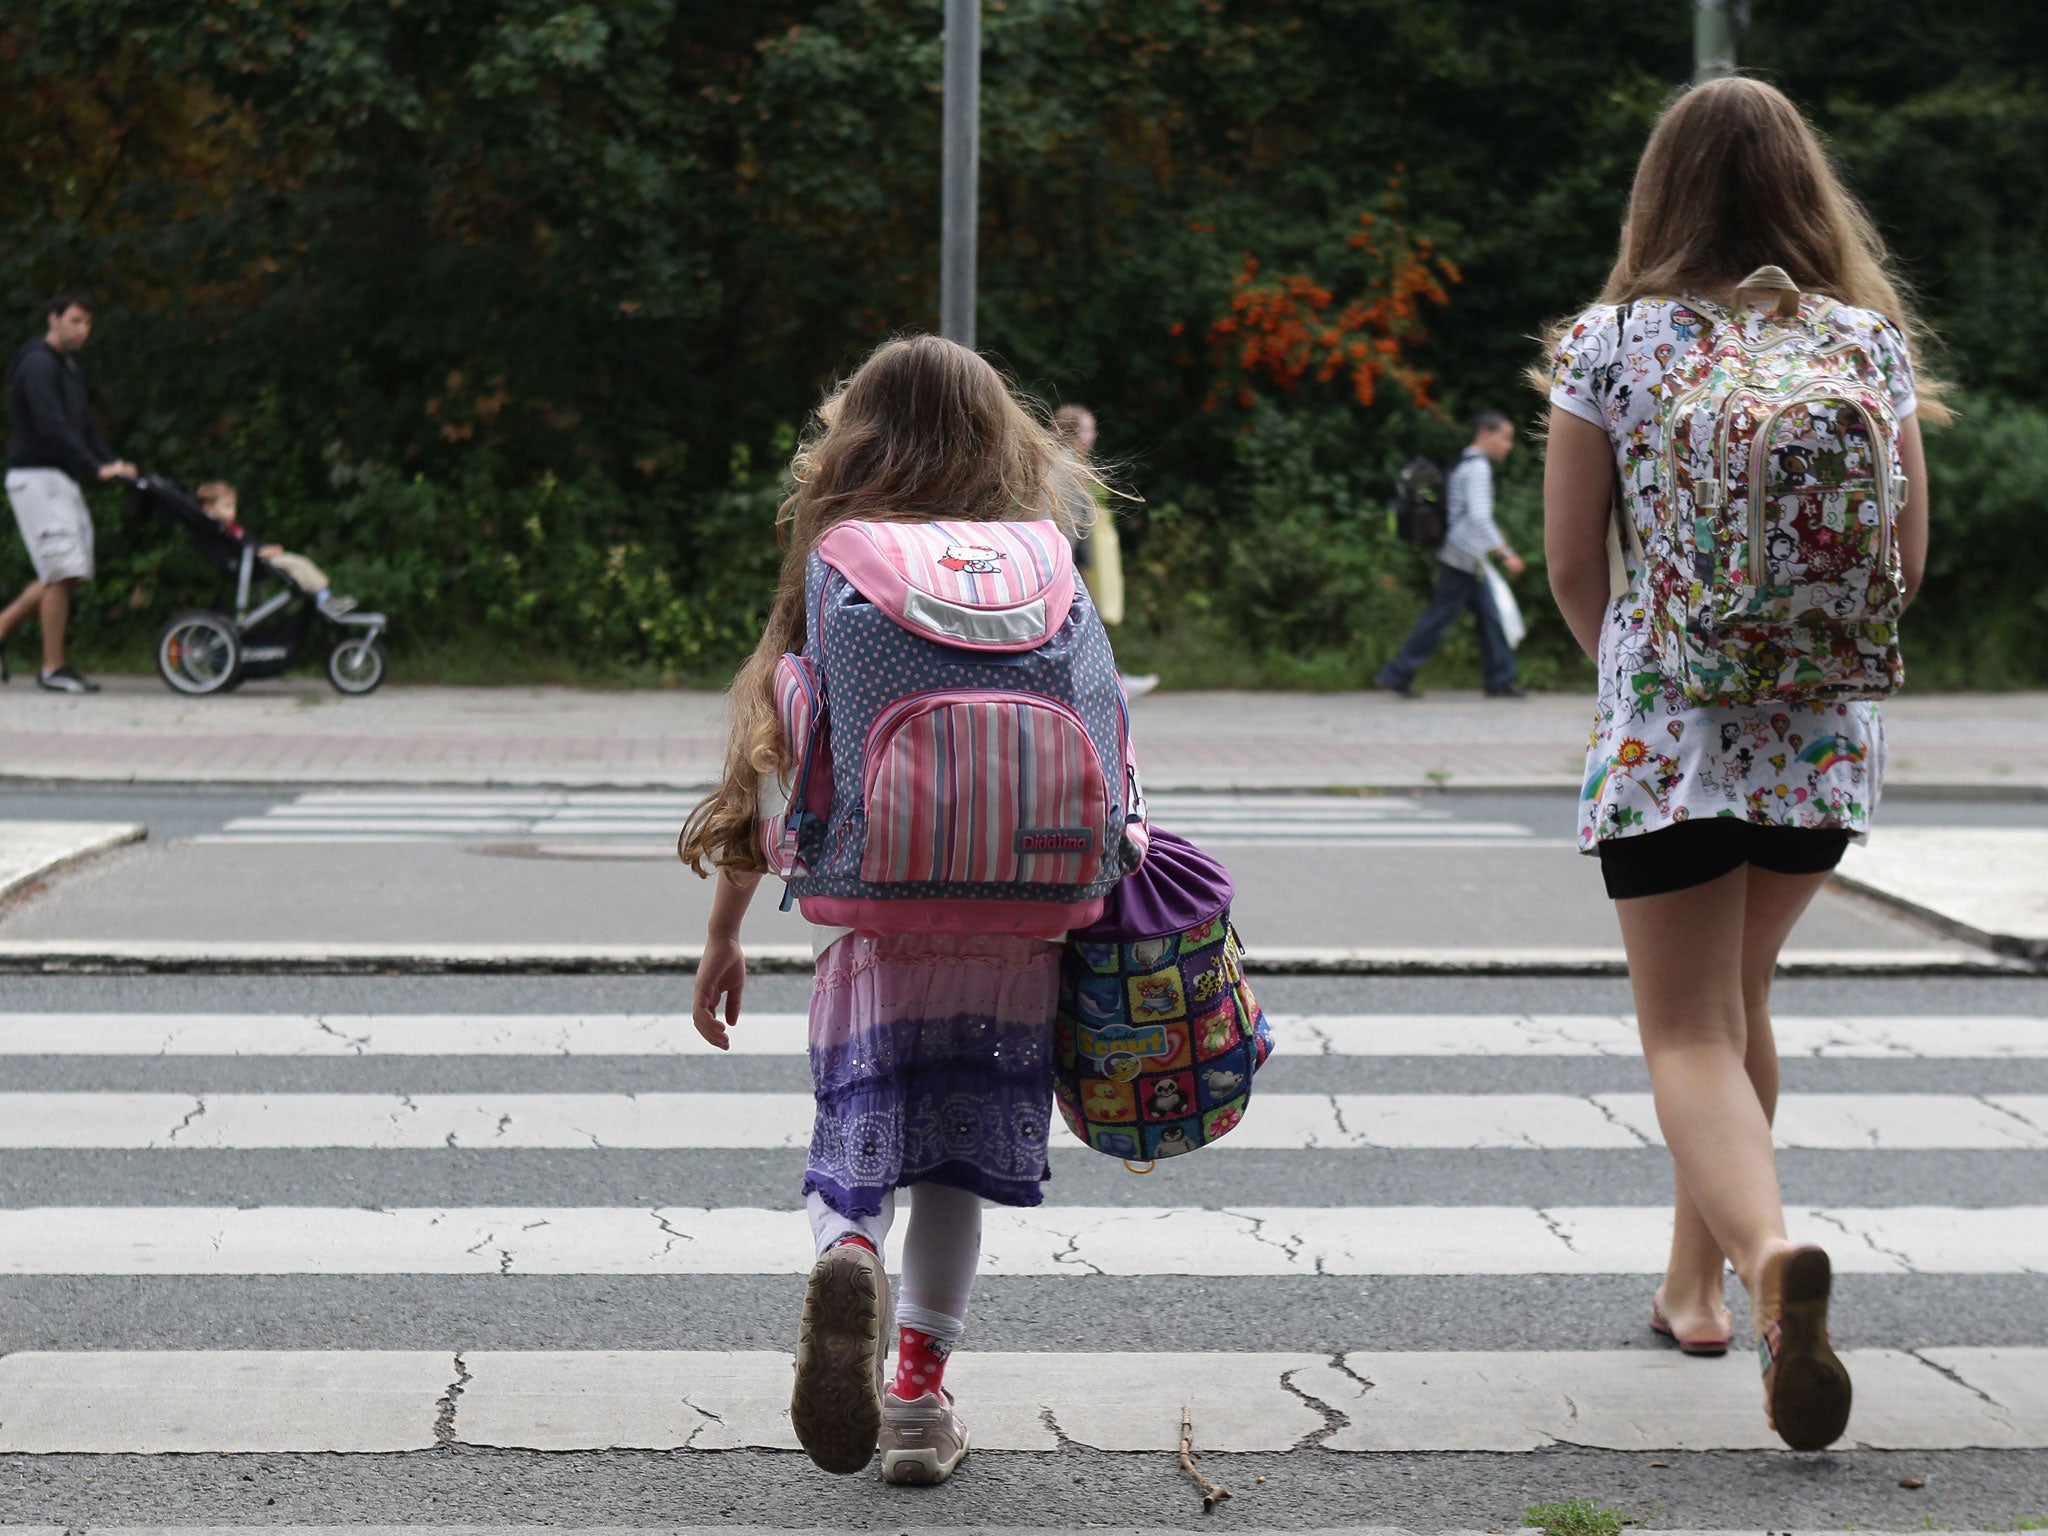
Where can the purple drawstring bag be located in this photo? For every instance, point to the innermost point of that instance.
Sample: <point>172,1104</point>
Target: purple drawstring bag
<point>1158,1034</point>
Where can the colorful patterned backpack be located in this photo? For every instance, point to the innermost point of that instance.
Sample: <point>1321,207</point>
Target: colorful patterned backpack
<point>1158,1033</point>
<point>1772,567</point>
<point>963,753</point>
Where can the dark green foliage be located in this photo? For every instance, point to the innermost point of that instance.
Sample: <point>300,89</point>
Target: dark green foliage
<point>507,310</point>
<point>1982,619</point>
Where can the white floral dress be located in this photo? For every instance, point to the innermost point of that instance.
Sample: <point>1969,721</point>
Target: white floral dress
<point>1654,761</point>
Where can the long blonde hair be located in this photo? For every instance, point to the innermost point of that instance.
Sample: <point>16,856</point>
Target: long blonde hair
<point>1732,179</point>
<point>925,429</point>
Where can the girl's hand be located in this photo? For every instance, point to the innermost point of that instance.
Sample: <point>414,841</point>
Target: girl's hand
<point>721,978</point>
<point>722,972</point>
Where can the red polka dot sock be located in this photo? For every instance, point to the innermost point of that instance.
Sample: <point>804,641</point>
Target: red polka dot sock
<point>857,1240</point>
<point>920,1363</point>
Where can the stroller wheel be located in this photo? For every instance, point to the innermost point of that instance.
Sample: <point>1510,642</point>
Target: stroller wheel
<point>356,666</point>
<point>199,653</point>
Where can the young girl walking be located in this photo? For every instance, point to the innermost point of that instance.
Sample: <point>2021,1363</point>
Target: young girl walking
<point>1748,375</point>
<point>931,1052</point>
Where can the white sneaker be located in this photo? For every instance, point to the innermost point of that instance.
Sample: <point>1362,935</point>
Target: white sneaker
<point>1136,686</point>
<point>836,1404</point>
<point>922,1438</point>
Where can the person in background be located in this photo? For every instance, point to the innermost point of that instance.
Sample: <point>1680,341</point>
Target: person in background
<point>52,444</point>
<point>219,501</point>
<point>1098,555</point>
<point>1470,537</point>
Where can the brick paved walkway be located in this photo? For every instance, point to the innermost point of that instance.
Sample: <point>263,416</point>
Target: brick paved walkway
<point>297,731</point>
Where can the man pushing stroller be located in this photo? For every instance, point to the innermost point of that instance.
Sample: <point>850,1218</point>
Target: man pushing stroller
<point>52,444</point>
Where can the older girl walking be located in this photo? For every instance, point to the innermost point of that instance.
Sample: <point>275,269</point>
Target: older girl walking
<point>1747,381</point>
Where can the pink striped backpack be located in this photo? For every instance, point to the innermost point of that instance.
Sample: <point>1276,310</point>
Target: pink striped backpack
<point>962,747</point>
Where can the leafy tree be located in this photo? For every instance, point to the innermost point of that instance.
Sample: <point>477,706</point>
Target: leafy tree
<point>417,273</point>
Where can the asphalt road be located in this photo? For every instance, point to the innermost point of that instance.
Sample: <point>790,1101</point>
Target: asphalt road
<point>1975,1489</point>
<point>1383,871</point>
<point>1408,870</point>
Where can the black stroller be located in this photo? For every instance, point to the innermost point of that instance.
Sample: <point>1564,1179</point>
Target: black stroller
<point>206,651</point>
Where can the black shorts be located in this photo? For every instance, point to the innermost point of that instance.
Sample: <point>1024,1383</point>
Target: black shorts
<point>1690,853</point>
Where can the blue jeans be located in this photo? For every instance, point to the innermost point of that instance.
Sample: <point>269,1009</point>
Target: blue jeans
<point>1456,591</point>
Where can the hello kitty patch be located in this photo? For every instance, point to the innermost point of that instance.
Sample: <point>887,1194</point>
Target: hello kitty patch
<point>974,559</point>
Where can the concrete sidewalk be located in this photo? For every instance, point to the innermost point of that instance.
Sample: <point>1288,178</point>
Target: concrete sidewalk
<point>29,850</point>
<point>297,731</point>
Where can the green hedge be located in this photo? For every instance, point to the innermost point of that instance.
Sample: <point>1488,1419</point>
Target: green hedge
<point>504,311</point>
<point>1281,571</point>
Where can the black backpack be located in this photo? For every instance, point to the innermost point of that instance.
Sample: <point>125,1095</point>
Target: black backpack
<point>1419,503</point>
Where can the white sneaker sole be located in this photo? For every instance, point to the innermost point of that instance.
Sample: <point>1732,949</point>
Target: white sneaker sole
<point>923,1466</point>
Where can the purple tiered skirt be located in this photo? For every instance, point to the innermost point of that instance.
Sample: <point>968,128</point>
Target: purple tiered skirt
<point>931,1058</point>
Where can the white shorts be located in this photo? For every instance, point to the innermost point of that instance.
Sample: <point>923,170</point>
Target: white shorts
<point>55,523</point>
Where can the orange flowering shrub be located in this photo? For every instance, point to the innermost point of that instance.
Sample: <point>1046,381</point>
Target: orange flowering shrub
<point>1287,330</point>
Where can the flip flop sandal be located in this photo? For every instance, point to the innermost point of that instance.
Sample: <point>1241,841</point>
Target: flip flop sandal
<point>1659,1324</point>
<point>1806,1386</point>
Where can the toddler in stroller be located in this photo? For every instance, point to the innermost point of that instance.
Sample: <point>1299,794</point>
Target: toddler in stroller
<point>218,501</point>
<point>279,597</point>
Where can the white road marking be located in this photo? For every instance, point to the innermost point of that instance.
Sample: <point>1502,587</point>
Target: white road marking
<point>1902,1037</point>
<point>1266,959</point>
<point>1861,1037</point>
<point>31,849</point>
<point>1236,820</point>
<point>196,1402</point>
<point>1648,1401</point>
<point>157,1401</point>
<point>1881,1122</point>
<point>1046,1240</point>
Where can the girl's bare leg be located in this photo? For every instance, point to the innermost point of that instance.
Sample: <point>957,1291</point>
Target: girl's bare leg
<point>1688,966</point>
<point>1692,1291</point>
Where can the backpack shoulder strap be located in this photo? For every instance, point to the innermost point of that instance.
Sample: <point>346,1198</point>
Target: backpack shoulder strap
<point>1620,525</point>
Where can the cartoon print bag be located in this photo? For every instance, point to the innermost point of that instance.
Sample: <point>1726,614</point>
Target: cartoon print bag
<point>1772,570</point>
<point>1158,1033</point>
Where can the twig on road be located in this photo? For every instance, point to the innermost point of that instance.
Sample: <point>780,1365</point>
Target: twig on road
<point>1212,1493</point>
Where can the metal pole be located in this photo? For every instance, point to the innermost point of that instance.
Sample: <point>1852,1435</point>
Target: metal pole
<point>959,174</point>
<point>1713,40</point>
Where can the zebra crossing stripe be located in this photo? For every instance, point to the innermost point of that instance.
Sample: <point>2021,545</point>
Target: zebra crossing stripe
<point>1881,1122</point>
<point>1282,820</point>
<point>196,1402</point>
<point>1046,1240</point>
<point>411,957</point>
<point>1880,1037</point>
